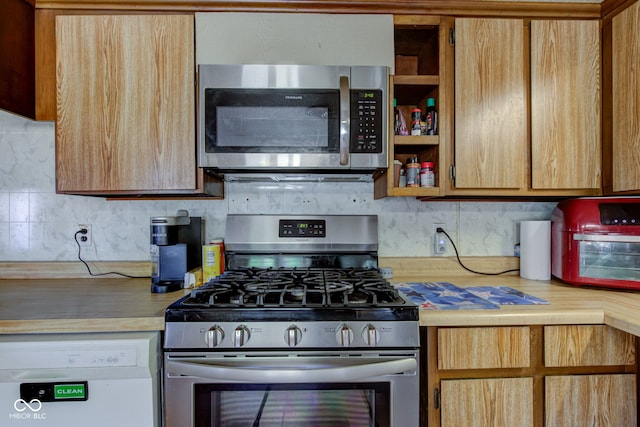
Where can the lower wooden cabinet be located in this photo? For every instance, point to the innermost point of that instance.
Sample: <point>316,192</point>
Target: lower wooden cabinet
<point>553,375</point>
<point>487,402</point>
<point>590,400</point>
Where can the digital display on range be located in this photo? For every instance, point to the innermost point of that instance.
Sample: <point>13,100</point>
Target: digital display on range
<point>300,228</point>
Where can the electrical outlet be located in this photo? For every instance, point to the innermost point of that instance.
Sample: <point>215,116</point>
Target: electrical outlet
<point>84,239</point>
<point>439,240</point>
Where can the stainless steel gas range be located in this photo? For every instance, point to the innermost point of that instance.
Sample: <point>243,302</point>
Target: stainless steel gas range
<point>301,329</point>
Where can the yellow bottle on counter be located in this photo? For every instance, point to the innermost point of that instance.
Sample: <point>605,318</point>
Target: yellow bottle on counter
<point>212,260</point>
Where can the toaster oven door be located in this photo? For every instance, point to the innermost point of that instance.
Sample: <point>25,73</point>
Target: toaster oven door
<point>609,259</point>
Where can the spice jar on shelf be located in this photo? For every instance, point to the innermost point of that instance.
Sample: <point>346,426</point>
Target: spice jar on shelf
<point>397,166</point>
<point>431,118</point>
<point>427,176</point>
<point>416,115</point>
<point>413,172</point>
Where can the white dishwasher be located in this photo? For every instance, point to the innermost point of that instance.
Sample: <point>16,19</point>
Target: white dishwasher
<point>66,380</point>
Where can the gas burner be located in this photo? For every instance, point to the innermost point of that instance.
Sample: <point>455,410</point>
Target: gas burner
<point>267,286</point>
<point>297,292</point>
<point>296,288</point>
<point>357,299</point>
<point>339,287</point>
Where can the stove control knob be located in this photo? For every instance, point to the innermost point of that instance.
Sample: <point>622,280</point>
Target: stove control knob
<point>344,336</point>
<point>240,336</point>
<point>214,336</point>
<point>370,335</point>
<point>292,336</point>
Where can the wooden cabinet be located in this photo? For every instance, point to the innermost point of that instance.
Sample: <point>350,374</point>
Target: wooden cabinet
<point>590,400</point>
<point>623,136</point>
<point>526,126</point>
<point>487,402</point>
<point>483,348</point>
<point>125,104</point>
<point>420,67</point>
<point>17,56</point>
<point>554,375</point>
<point>490,104</point>
<point>587,345</point>
<point>566,147</point>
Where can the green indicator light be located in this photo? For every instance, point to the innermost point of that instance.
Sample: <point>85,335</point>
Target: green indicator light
<point>69,391</point>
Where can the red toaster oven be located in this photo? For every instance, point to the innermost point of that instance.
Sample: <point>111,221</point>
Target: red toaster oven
<point>596,241</point>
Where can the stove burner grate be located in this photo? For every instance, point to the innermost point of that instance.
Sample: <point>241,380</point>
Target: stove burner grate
<point>295,288</point>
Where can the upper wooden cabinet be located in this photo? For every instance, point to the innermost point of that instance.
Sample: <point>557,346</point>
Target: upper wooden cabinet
<point>566,144</point>
<point>527,108</point>
<point>420,65</point>
<point>622,152</point>
<point>490,104</point>
<point>17,57</point>
<point>125,104</point>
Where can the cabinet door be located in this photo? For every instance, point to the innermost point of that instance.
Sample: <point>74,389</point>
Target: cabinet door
<point>490,104</point>
<point>626,100</point>
<point>565,105</point>
<point>588,345</point>
<point>484,348</point>
<point>125,103</point>
<point>487,402</point>
<point>590,400</point>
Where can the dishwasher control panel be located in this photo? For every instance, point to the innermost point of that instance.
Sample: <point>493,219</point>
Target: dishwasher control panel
<point>55,391</point>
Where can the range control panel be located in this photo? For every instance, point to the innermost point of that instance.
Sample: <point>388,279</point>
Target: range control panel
<point>302,228</point>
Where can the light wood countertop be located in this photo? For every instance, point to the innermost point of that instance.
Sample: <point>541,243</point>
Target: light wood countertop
<point>567,304</point>
<point>100,305</point>
<point>81,305</point>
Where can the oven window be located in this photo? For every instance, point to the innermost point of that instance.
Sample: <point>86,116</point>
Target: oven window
<point>271,121</point>
<point>610,260</point>
<point>270,405</point>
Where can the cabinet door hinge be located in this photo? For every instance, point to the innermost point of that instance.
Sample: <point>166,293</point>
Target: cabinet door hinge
<point>452,173</point>
<point>436,398</point>
<point>452,36</point>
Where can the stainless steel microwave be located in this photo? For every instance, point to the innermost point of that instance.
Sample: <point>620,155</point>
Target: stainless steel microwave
<point>292,118</point>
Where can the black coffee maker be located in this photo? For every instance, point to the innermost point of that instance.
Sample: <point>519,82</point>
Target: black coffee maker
<point>176,247</point>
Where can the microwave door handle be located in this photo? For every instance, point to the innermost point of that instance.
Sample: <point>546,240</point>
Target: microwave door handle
<point>278,375</point>
<point>344,120</point>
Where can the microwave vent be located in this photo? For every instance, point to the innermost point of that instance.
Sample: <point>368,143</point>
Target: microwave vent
<point>297,177</point>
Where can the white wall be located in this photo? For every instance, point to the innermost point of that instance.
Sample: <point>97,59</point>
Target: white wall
<point>36,224</point>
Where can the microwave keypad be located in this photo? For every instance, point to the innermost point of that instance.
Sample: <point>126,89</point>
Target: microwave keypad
<point>366,121</point>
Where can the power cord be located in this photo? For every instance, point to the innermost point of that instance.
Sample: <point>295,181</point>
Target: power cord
<point>441,230</point>
<point>83,231</point>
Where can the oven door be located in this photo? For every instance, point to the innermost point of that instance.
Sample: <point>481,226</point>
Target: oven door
<point>362,389</point>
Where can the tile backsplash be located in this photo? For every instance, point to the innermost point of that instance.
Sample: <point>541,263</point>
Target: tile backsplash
<point>36,224</point>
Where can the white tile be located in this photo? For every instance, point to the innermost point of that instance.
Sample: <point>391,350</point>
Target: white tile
<point>18,207</point>
<point>37,224</point>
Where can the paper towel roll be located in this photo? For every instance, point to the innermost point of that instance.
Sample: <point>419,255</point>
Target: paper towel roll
<point>535,250</point>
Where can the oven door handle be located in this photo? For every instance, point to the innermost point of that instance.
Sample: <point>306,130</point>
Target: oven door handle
<point>278,375</point>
